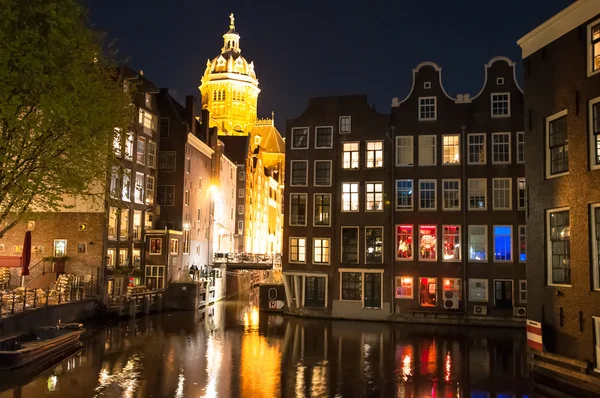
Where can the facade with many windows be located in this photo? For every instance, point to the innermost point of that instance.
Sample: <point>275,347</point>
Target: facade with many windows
<point>459,198</point>
<point>336,231</point>
<point>562,108</point>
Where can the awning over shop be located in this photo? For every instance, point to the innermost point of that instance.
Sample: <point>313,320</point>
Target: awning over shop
<point>10,261</point>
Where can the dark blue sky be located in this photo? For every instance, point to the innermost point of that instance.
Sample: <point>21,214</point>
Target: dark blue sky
<point>308,48</point>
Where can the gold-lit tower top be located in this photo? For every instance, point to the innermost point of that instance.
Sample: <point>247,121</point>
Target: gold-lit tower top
<point>229,87</point>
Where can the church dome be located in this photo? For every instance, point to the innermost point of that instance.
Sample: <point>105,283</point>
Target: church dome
<point>230,60</point>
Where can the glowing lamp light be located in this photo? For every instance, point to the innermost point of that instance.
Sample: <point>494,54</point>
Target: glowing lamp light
<point>447,282</point>
<point>186,226</point>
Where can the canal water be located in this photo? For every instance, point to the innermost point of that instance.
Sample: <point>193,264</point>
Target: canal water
<point>230,350</point>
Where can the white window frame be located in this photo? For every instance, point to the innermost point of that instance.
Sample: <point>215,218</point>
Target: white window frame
<point>357,152</point>
<point>519,180</point>
<point>374,193</point>
<point>484,149</point>
<point>330,128</point>
<point>595,252</point>
<point>298,238</point>
<point>412,195</point>
<point>521,291</point>
<point>412,151</point>
<point>291,207</point>
<point>550,119</point>
<point>412,228</point>
<point>357,228</point>
<point>314,207</point>
<point>412,287</point>
<point>512,284</point>
<point>512,244</point>
<point>314,251</point>
<point>548,247</point>
<point>349,125</point>
<point>522,235</point>
<point>510,198</point>
<point>487,290</point>
<point>301,129</point>
<point>421,104</point>
<point>292,163</point>
<point>486,240</point>
<point>458,145</point>
<point>509,147</point>
<point>437,252</point>
<point>469,181</point>
<point>520,144</point>
<point>375,152</point>
<point>434,208</point>
<point>492,105</point>
<point>349,183</point>
<point>140,158</point>
<point>420,162</point>
<point>594,165</point>
<point>590,56</point>
<point>382,243</point>
<point>142,197</point>
<point>458,192</point>
<point>315,172</point>
<point>460,243</point>
<point>240,209</point>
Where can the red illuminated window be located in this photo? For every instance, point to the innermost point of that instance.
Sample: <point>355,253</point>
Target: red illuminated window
<point>428,242</point>
<point>428,292</point>
<point>404,242</point>
<point>451,249</point>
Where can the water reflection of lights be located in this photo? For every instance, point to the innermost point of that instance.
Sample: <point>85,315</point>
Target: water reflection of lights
<point>126,379</point>
<point>52,383</point>
<point>214,359</point>
<point>300,380</point>
<point>251,319</point>
<point>180,383</point>
<point>319,379</point>
<point>448,367</point>
<point>406,366</point>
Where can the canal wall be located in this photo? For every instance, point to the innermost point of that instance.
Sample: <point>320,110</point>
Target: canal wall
<point>76,311</point>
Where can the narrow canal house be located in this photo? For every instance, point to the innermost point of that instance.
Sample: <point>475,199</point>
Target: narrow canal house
<point>562,108</point>
<point>336,230</point>
<point>378,207</point>
<point>460,197</point>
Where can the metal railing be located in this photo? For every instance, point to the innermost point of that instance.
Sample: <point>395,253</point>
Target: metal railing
<point>221,258</point>
<point>23,300</point>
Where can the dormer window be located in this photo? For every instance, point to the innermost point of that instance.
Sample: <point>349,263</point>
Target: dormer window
<point>500,104</point>
<point>500,81</point>
<point>427,108</point>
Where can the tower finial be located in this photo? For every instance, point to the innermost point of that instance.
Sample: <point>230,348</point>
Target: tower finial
<point>231,22</point>
<point>273,117</point>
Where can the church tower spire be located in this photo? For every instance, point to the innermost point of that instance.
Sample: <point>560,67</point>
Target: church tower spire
<point>231,38</point>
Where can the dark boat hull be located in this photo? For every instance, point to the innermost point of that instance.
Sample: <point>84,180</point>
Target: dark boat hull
<point>40,350</point>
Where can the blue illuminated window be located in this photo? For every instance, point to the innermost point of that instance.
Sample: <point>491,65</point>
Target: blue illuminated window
<point>502,243</point>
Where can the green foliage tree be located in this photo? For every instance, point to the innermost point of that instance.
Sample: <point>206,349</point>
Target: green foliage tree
<point>60,102</point>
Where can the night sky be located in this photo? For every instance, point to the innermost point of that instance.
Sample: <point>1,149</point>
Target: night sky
<point>309,48</point>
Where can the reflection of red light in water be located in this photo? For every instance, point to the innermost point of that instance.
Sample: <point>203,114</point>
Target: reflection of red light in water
<point>448,367</point>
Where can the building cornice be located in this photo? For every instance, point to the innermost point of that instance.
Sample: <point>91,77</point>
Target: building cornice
<point>199,145</point>
<point>565,21</point>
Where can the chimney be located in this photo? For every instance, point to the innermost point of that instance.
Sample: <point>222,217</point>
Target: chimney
<point>190,112</point>
<point>205,122</point>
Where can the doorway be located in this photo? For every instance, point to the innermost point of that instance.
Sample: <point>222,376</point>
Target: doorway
<point>503,294</point>
<point>372,290</point>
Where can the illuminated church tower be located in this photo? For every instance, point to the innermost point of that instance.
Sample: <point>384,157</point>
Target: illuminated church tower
<point>229,88</point>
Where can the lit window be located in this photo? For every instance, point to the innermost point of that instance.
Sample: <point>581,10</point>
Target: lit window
<point>428,292</point>
<point>165,195</point>
<point>350,156</point>
<point>404,194</point>
<point>297,250</point>
<point>477,148</point>
<point>427,242</point>
<point>141,151</point>
<point>451,149</point>
<point>352,286</point>
<point>427,108</point>
<point>502,243</point>
<point>594,48</point>
<point>404,242</point>
<point>349,245</point>
<point>298,209</point>
<point>186,198</point>
<point>148,100</point>
<point>186,241</point>
<point>478,290</point>
<point>117,142</point>
<point>350,196</point>
<point>126,189</point>
<point>324,137</point>
<point>500,104</point>
<point>299,138</point>
<point>321,251</point>
<point>501,193</point>
<point>404,151</point>
<point>522,189</point>
<point>452,248</point>
<point>299,173</point>
<point>151,154</point>
<point>427,191</point>
<point>374,245</point>
<point>522,243</point>
<point>374,154</point>
<point>138,195</point>
<point>111,255</point>
<point>404,287</point>
<point>322,210</point>
<point>477,193</point>
<point>427,150</point>
<point>374,196</point>
<point>115,183</point>
<point>520,147</point>
<point>129,146</point>
<point>345,124</point>
<point>451,194</point>
<point>124,225</point>
<point>558,235</point>
<point>174,246</point>
<point>557,149</point>
<point>500,148</point>
<point>113,216</point>
<point>124,257</point>
<point>188,165</point>
<point>477,242</point>
<point>323,173</point>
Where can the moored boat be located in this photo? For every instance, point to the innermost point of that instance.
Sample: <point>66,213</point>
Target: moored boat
<point>21,349</point>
